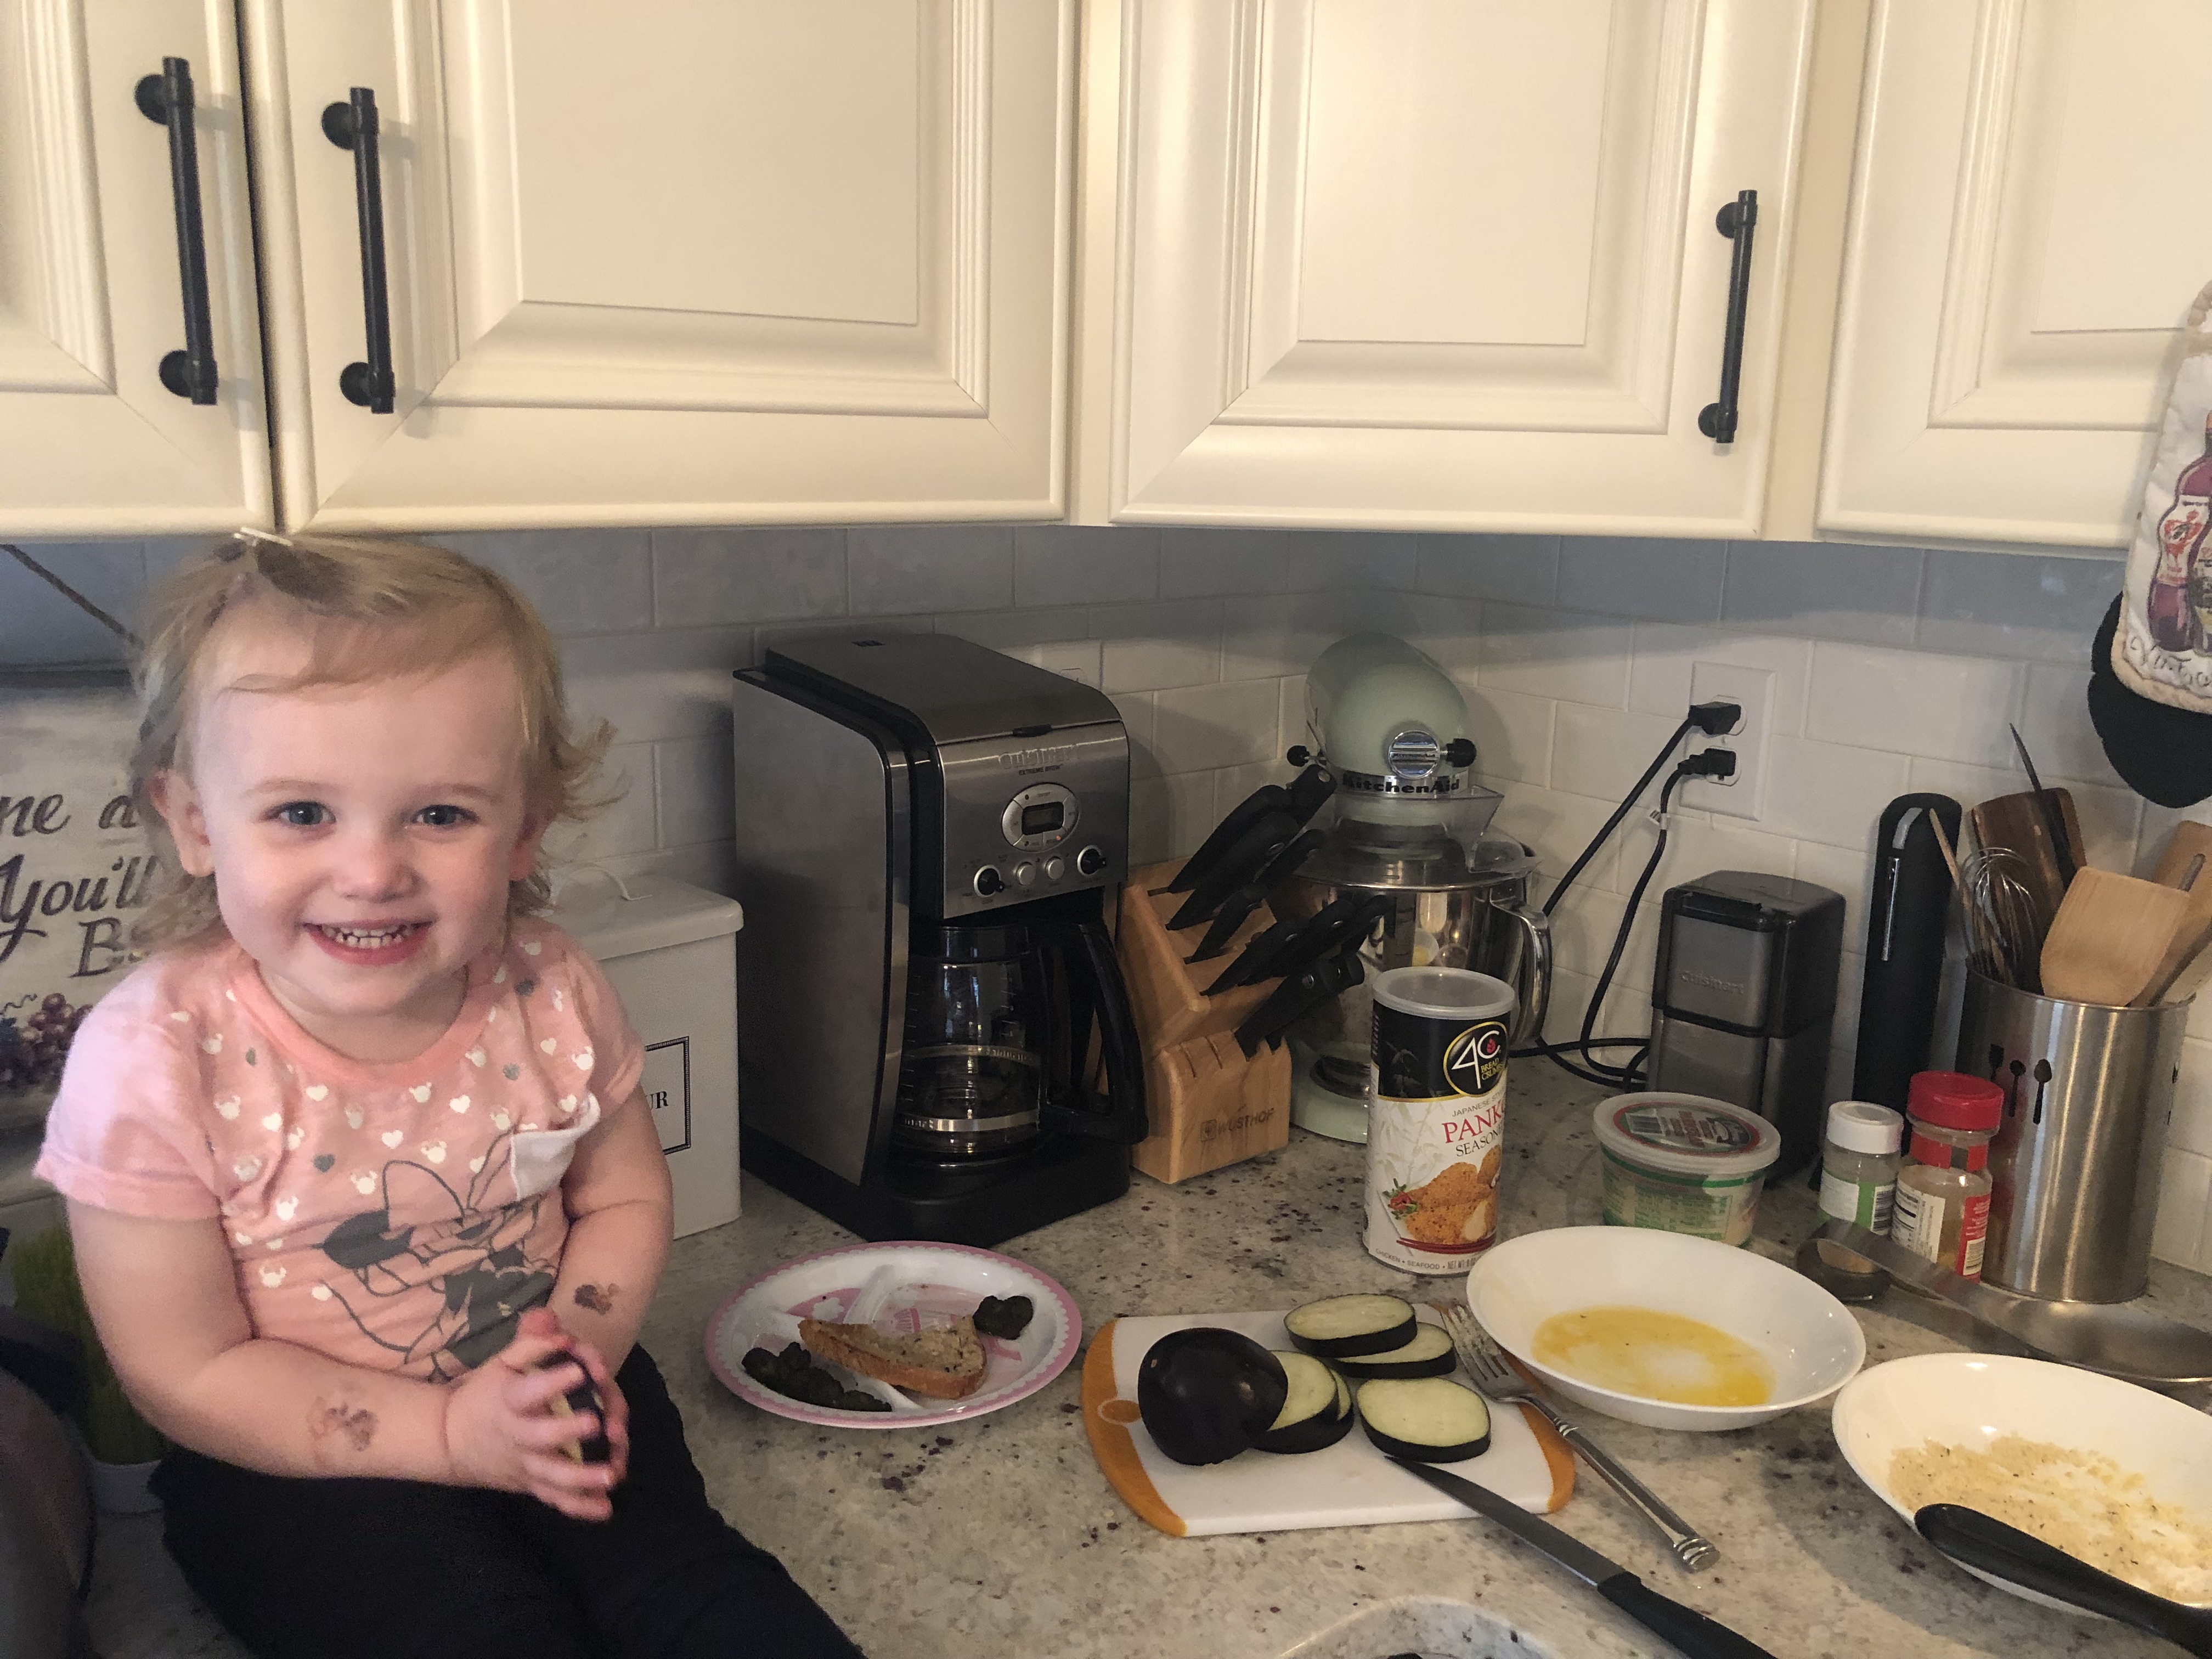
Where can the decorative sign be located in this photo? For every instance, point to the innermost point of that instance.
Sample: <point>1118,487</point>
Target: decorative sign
<point>75,865</point>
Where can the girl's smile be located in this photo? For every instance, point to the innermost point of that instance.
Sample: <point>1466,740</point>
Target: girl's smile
<point>363,837</point>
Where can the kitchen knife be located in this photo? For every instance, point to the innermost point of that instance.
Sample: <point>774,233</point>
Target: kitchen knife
<point>2129,1343</point>
<point>1262,946</point>
<point>1976,1540</point>
<point>2061,846</point>
<point>1308,941</point>
<point>1299,994</point>
<point>1247,898</point>
<point>1301,799</point>
<point>1254,850</point>
<point>1684,1628</point>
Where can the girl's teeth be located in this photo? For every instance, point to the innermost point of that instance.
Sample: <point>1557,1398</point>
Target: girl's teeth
<point>362,940</point>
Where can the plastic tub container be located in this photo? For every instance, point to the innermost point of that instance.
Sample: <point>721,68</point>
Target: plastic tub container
<point>1684,1164</point>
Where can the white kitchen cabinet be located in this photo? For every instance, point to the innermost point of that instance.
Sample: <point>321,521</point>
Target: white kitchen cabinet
<point>1445,264</point>
<point>692,261</point>
<point>2027,229</point>
<point>91,295</point>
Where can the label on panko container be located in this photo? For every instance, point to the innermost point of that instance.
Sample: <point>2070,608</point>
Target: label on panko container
<point>1435,1126</point>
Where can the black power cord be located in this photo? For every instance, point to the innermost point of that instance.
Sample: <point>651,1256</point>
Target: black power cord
<point>1715,718</point>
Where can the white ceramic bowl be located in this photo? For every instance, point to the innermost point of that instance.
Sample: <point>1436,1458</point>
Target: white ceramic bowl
<point>1809,1338</point>
<point>1970,1400</point>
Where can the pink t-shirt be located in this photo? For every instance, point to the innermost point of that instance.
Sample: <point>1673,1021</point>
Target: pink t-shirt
<point>400,1217</point>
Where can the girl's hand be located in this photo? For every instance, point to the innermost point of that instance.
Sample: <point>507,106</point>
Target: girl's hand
<point>502,1431</point>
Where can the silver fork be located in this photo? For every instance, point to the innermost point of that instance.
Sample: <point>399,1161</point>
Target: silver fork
<point>1495,1377</point>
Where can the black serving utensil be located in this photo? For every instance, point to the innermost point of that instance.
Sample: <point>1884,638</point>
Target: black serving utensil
<point>1246,899</point>
<point>1977,1539</point>
<point>2047,804</point>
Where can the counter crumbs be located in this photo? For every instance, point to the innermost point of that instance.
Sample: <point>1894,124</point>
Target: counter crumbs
<point>2081,1502</point>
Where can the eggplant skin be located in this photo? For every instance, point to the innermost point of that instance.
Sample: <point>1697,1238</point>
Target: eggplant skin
<point>1206,1394</point>
<point>1414,1451</point>
<point>1368,1366</point>
<point>1315,1433</point>
<point>1348,1347</point>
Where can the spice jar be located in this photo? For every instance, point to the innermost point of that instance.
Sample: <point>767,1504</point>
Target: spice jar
<point>1859,1162</point>
<point>1943,1188</point>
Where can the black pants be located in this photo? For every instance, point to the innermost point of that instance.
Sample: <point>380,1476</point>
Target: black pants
<point>324,1568</point>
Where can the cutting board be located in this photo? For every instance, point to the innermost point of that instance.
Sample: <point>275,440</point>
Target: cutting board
<point>1349,1485</point>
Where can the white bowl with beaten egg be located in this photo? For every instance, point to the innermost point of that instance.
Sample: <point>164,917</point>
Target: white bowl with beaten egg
<point>1685,1333</point>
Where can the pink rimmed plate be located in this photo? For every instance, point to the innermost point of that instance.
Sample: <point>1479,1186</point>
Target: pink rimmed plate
<point>937,1284</point>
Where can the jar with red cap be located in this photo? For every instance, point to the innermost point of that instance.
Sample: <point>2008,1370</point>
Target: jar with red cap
<point>1943,1190</point>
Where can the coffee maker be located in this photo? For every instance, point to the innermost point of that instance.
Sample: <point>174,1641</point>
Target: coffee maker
<point>926,831</point>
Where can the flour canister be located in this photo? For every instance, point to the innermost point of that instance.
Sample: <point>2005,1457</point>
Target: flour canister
<point>1436,1117</point>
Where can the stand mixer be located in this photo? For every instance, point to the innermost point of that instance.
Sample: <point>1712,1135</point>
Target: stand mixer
<point>1407,822</point>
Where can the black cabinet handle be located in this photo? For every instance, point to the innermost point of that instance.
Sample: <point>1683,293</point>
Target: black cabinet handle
<point>352,125</point>
<point>1736,222</point>
<point>167,99</point>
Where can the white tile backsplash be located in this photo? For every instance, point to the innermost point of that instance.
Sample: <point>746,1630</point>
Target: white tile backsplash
<point>1893,669</point>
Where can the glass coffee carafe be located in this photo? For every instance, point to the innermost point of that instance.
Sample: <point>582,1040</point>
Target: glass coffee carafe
<point>998,1048</point>
<point>978,1026</point>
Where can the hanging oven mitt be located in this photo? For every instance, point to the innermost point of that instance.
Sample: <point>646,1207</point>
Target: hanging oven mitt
<point>2150,687</point>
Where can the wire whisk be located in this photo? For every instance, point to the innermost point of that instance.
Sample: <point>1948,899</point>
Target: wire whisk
<point>2004,929</point>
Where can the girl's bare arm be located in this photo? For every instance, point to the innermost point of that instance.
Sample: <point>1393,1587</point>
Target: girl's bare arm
<point>622,1213</point>
<point>165,1302</point>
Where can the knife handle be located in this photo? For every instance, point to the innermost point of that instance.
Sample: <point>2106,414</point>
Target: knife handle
<point>1683,1627</point>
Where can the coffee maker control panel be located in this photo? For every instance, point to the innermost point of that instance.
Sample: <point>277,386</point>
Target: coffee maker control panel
<point>1011,835</point>
<point>1039,818</point>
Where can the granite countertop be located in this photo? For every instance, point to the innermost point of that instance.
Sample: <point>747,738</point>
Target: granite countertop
<point>1000,1539</point>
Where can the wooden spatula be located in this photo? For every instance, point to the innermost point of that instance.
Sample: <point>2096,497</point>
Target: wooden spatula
<point>2110,936</point>
<point>2186,864</point>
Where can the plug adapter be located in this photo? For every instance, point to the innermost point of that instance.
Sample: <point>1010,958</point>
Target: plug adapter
<point>1717,718</point>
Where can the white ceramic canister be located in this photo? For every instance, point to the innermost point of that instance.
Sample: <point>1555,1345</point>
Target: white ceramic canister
<point>1436,1117</point>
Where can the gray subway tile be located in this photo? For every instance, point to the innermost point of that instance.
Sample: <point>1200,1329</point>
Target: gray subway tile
<point>705,578</point>
<point>899,569</point>
<point>1829,590</point>
<point>2015,604</point>
<point>1642,576</point>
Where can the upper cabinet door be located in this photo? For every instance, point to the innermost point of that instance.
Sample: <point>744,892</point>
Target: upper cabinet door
<point>2028,227</point>
<point>1448,263</point>
<point>695,260</point>
<point>93,275</point>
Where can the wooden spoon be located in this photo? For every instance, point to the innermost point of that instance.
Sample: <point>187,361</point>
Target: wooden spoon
<point>2186,865</point>
<point>2110,938</point>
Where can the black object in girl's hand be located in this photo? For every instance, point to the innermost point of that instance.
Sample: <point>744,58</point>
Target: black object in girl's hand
<point>584,1397</point>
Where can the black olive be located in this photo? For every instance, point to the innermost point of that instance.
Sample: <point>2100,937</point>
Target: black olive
<point>1005,1317</point>
<point>852,1399</point>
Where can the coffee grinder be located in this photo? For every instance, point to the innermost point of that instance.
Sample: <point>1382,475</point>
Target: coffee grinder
<point>926,833</point>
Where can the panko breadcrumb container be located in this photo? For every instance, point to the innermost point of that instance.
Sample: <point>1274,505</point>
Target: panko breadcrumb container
<point>1684,1164</point>
<point>1436,1117</point>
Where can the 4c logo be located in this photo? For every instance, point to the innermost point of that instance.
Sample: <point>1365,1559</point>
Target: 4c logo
<point>1473,1059</point>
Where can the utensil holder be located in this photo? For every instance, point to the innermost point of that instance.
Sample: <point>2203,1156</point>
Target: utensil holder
<point>2076,1162</point>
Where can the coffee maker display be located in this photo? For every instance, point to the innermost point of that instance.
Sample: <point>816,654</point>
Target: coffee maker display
<point>928,995</point>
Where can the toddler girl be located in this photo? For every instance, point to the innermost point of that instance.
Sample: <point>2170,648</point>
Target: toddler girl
<point>363,1185</point>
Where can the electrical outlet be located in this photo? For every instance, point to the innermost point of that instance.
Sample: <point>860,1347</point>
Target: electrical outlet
<point>1752,689</point>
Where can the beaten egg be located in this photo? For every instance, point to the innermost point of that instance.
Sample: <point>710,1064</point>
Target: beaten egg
<point>1655,1356</point>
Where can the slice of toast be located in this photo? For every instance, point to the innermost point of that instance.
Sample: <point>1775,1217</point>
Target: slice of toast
<point>946,1363</point>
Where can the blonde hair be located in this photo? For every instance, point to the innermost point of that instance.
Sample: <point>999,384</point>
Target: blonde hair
<point>370,609</point>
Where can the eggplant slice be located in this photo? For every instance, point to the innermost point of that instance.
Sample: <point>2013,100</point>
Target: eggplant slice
<point>1429,1354</point>
<point>1429,1419</point>
<point>1316,1413</point>
<point>1344,1327</point>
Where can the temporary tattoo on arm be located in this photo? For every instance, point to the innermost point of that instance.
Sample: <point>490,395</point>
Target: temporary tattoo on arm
<point>599,1300</point>
<point>357,1424</point>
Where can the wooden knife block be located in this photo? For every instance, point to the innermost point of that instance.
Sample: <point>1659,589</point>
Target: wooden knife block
<point>1209,1104</point>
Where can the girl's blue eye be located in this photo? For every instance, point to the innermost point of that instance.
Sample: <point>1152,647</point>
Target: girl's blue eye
<point>442,816</point>
<point>304,814</point>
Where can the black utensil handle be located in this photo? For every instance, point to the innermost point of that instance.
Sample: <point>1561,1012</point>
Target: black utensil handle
<point>167,99</point>
<point>353,125</point>
<point>1736,222</point>
<point>1981,1541</point>
<point>1684,1628</point>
